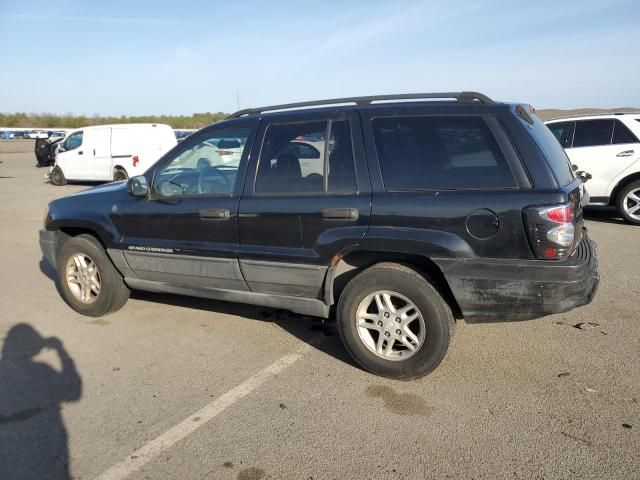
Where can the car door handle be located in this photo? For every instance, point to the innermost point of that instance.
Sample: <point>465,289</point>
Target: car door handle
<point>80,152</point>
<point>626,153</point>
<point>215,214</point>
<point>340,214</point>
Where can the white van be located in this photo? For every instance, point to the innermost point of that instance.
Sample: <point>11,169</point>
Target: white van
<point>110,152</point>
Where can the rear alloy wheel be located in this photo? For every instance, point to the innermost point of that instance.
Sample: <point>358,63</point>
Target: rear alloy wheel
<point>57,177</point>
<point>393,322</point>
<point>628,203</point>
<point>120,175</point>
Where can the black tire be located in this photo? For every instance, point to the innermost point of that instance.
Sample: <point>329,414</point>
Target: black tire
<point>621,199</point>
<point>436,313</point>
<point>113,292</point>
<point>120,174</point>
<point>57,177</point>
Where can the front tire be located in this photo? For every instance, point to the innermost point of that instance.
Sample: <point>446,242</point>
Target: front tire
<point>628,203</point>
<point>57,177</point>
<point>394,323</point>
<point>87,280</point>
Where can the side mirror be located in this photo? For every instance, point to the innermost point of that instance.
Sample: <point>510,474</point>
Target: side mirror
<point>584,176</point>
<point>138,186</point>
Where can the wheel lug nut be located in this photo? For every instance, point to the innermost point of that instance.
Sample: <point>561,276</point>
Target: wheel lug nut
<point>379,323</point>
<point>387,334</point>
<point>386,314</point>
<point>397,319</point>
<point>398,332</point>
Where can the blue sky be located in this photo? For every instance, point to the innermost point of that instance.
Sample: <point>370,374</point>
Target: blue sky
<point>179,57</point>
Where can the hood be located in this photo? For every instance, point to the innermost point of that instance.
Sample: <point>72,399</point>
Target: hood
<point>106,188</point>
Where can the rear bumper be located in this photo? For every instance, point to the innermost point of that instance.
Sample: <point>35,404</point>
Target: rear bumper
<point>491,290</point>
<point>48,246</point>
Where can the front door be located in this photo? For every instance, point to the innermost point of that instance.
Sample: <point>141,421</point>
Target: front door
<point>70,157</point>
<point>307,199</point>
<point>186,232</point>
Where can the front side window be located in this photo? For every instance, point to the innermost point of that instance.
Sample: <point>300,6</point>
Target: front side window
<point>621,134</point>
<point>439,153</point>
<point>563,131</point>
<point>297,158</point>
<point>208,167</point>
<point>593,133</point>
<point>73,141</point>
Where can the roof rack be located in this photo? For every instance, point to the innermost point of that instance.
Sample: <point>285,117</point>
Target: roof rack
<point>462,97</point>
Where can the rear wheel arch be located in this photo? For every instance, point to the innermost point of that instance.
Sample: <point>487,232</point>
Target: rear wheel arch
<point>620,185</point>
<point>119,170</point>
<point>344,268</point>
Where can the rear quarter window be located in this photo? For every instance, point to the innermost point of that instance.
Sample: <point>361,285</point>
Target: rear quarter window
<point>553,151</point>
<point>440,153</point>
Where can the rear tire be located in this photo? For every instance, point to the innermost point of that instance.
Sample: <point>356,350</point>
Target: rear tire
<point>120,174</point>
<point>377,339</point>
<point>57,177</point>
<point>87,280</point>
<point>628,203</point>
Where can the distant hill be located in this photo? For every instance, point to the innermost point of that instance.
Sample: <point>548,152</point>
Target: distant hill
<point>549,114</point>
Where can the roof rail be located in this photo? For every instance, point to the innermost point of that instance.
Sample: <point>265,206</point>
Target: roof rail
<point>459,96</point>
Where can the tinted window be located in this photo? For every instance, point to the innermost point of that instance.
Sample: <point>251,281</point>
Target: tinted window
<point>621,134</point>
<point>208,167</point>
<point>439,153</point>
<point>553,151</point>
<point>74,141</point>
<point>296,158</point>
<point>563,131</point>
<point>592,133</point>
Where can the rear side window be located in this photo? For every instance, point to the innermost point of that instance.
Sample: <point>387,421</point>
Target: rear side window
<point>297,158</point>
<point>621,134</point>
<point>593,133</point>
<point>440,153</point>
<point>563,131</point>
<point>553,151</point>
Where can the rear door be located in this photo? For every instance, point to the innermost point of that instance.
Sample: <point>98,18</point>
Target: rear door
<point>306,200</point>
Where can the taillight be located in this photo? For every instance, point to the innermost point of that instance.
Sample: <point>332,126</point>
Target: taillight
<point>224,152</point>
<point>552,231</point>
<point>136,160</point>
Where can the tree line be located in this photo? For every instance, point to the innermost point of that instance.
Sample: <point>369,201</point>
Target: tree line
<point>48,120</point>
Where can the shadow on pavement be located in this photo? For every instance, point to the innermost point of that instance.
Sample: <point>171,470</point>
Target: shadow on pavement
<point>33,438</point>
<point>603,215</point>
<point>307,329</point>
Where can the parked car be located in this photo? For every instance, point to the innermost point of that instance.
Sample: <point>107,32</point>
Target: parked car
<point>110,152</point>
<point>608,148</point>
<point>37,134</point>
<point>6,135</point>
<point>422,212</point>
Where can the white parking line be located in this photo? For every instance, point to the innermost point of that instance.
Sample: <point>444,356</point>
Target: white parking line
<point>180,431</point>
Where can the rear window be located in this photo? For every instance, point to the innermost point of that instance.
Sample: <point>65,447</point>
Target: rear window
<point>553,151</point>
<point>440,153</point>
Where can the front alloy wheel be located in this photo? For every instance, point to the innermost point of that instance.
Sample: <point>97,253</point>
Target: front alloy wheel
<point>83,278</point>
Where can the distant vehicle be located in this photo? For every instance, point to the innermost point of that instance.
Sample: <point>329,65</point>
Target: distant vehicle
<point>110,152</point>
<point>6,135</point>
<point>608,148</point>
<point>182,134</point>
<point>36,134</point>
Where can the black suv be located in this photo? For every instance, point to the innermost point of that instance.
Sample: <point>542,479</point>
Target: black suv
<point>400,212</point>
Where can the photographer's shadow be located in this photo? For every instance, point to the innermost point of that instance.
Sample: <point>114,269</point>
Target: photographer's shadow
<point>33,438</point>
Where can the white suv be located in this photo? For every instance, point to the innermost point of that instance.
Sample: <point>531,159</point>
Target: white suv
<point>608,148</point>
